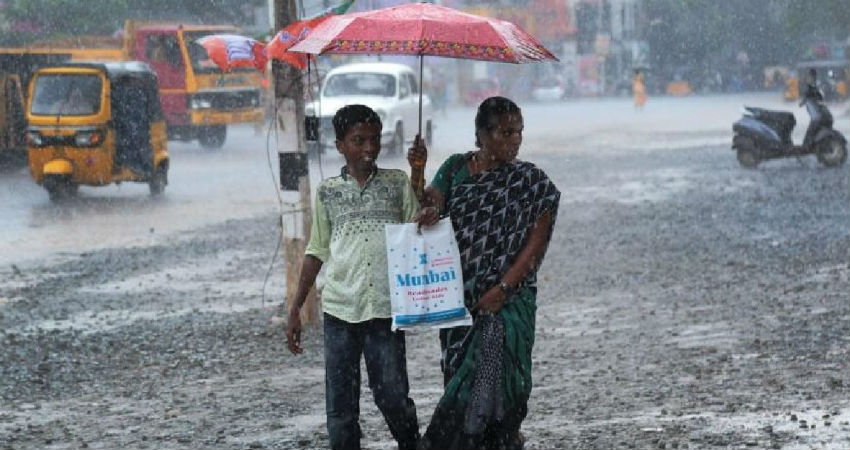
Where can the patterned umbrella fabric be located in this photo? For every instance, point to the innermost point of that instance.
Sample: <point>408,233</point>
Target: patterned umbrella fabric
<point>229,51</point>
<point>424,29</point>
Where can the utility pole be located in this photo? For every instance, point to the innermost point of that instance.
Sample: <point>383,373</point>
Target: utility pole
<point>289,102</point>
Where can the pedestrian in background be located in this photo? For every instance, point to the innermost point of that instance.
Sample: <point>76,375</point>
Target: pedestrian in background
<point>347,236</point>
<point>638,89</point>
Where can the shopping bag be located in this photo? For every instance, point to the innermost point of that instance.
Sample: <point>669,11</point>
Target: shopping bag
<point>426,284</point>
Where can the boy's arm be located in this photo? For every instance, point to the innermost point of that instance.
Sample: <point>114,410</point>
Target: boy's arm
<point>410,204</point>
<point>317,252</point>
<point>310,268</point>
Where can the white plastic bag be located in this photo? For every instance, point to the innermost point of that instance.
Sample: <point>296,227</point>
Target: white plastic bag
<point>426,285</point>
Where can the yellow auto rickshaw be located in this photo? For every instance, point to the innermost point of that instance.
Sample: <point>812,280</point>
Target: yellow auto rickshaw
<point>94,124</point>
<point>832,75</point>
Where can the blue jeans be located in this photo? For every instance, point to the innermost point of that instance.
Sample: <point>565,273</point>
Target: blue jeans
<point>386,365</point>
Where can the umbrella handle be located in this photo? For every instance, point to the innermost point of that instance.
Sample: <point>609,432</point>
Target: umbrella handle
<point>417,173</point>
<point>421,57</point>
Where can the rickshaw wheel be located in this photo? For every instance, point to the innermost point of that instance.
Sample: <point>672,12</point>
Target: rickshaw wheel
<point>158,181</point>
<point>59,187</point>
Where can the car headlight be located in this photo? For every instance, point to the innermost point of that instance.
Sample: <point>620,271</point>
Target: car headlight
<point>199,103</point>
<point>35,138</point>
<point>88,138</point>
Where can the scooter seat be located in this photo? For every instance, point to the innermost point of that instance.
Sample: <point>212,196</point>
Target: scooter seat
<point>783,119</point>
<point>782,122</point>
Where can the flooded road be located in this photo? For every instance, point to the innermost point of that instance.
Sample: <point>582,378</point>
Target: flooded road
<point>240,180</point>
<point>684,302</point>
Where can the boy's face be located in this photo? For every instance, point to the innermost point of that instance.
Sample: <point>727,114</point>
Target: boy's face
<point>361,146</point>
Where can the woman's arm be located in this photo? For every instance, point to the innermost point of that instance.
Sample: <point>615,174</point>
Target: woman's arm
<point>527,260</point>
<point>529,257</point>
<point>431,210</point>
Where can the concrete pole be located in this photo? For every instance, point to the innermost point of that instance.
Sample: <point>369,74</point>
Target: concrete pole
<point>289,101</point>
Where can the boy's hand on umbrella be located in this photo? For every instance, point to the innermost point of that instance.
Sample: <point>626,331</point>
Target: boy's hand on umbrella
<point>417,155</point>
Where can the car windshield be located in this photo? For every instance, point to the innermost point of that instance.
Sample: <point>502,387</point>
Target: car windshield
<point>76,95</point>
<point>345,84</point>
<point>201,62</point>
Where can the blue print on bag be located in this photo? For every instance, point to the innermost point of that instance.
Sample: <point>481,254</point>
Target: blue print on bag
<point>431,277</point>
<point>410,319</point>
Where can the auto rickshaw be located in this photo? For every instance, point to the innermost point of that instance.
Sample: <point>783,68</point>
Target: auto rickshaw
<point>94,124</point>
<point>833,77</point>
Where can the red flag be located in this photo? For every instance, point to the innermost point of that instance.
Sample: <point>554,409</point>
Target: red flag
<point>289,36</point>
<point>295,32</point>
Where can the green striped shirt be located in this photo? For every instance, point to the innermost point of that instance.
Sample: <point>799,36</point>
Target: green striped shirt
<point>348,236</point>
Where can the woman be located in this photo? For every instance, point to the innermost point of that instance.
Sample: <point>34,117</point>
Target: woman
<point>503,211</point>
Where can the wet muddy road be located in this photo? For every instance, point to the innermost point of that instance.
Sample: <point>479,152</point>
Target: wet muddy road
<point>684,303</point>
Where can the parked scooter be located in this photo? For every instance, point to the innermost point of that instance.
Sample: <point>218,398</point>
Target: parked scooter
<point>763,134</point>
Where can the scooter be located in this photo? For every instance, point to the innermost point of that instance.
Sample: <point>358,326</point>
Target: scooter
<point>763,134</point>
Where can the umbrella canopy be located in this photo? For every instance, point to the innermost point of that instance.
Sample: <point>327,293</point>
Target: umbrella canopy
<point>293,33</point>
<point>229,51</point>
<point>424,29</point>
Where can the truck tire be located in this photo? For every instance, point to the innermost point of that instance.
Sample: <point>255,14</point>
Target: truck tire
<point>397,145</point>
<point>212,137</point>
<point>832,152</point>
<point>158,180</point>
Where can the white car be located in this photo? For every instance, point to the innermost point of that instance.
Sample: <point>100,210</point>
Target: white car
<point>548,89</point>
<point>391,89</point>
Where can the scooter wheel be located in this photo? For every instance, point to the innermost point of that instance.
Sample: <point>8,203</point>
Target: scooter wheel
<point>748,158</point>
<point>832,152</point>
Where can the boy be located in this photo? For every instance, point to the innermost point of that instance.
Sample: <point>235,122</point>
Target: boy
<point>348,235</point>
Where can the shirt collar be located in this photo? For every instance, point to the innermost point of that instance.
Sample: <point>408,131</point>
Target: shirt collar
<point>344,173</point>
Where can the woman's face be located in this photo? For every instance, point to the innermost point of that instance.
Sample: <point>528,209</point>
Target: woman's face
<point>503,139</point>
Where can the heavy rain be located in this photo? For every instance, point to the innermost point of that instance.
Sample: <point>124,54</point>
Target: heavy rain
<point>695,293</point>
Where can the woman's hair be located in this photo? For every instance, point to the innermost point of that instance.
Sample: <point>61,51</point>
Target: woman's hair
<point>488,110</point>
<point>350,115</point>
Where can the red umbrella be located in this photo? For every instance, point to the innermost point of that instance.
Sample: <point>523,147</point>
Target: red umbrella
<point>424,29</point>
<point>229,51</point>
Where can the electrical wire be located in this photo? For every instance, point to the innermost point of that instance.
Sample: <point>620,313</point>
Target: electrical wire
<point>274,127</point>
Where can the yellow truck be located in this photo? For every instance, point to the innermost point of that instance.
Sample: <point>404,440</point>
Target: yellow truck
<point>198,100</point>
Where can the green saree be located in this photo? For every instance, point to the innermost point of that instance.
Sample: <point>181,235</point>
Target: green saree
<point>488,365</point>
